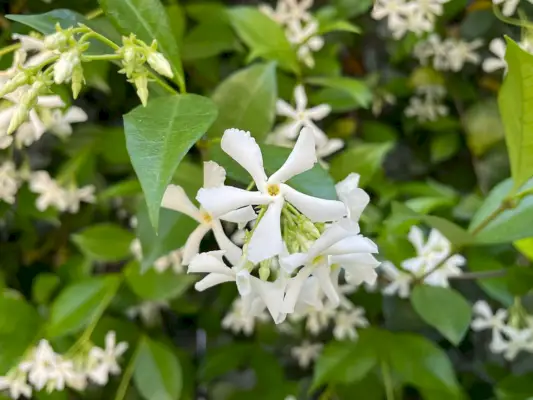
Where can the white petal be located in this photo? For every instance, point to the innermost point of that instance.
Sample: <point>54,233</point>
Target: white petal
<point>211,280</point>
<point>314,208</point>
<point>416,237</point>
<point>242,147</point>
<point>333,234</point>
<point>176,199</point>
<point>36,124</point>
<point>327,286</point>
<point>214,174</point>
<point>51,101</point>
<point>330,147</point>
<point>210,262</point>
<point>483,309</point>
<point>498,47</point>
<point>29,43</point>
<point>319,112</point>
<point>5,117</point>
<point>285,109</point>
<point>300,98</point>
<point>353,244</point>
<point>272,295</point>
<point>301,159</point>
<point>291,262</point>
<point>75,114</point>
<point>361,259</point>
<point>293,290</point>
<point>240,216</point>
<point>266,240</point>
<point>192,245</point>
<point>221,200</point>
<point>242,279</point>
<point>493,64</point>
<point>233,252</point>
<point>357,274</point>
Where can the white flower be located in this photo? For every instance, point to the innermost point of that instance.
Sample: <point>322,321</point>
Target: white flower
<point>485,319</point>
<point>9,182</point>
<point>339,244</point>
<point>41,366</point>
<point>301,117</point>
<point>393,10</point>
<point>400,281</point>
<point>64,67</point>
<point>289,12</point>
<point>460,52</point>
<point>35,46</point>
<point>173,260</point>
<point>60,122</point>
<point>518,340</point>
<point>428,107</point>
<point>74,196</point>
<point>306,39</point>
<point>317,319</point>
<point>15,384</point>
<point>256,293</point>
<point>354,198</point>
<point>346,323</point>
<point>176,199</point>
<point>148,311</point>
<point>160,64</point>
<point>497,47</point>
<point>509,6</point>
<point>104,361</point>
<point>266,240</point>
<point>238,320</point>
<point>306,353</point>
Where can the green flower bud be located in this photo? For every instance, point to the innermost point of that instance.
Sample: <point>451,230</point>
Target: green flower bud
<point>77,80</point>
<point>20,79</point>
<point>56,41</point>
<point>160,64</point>
<point>141,83</point>
<point>20,115</point>
<point>264,273</point>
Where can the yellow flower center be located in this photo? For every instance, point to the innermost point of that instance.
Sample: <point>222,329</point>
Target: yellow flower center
<point>206,217</point>
<point>318,260</point>
<point>273,189</point>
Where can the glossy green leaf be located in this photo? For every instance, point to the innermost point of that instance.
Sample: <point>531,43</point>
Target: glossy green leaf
<point>515,387</point>
<point>44,287</point>
<point>444,309</point>
<point>352,8</point>
<point>159,135</point>
<point>19,323</point>
<point>209,39</point>
<point>444,146</point>
<point>172,234</point>
<point>509,225</point>
<point>516,100</point>
<point>247,100</point>
<point>148,20</point>
<point>315,182</point>
<point>79,303</point>
<point>104,242</point>
<point>264,37</point>
<point>356,89</point>
<point>220,360</point>
<point>363,158</point>
<point>525,246</point>
<point>157,373</point>
<point>338,26</point>
<point>153,285</point>
<point>483,126</point>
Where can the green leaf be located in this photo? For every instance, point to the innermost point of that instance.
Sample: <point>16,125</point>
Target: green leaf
<point>157,373</point>
<point>172,234</point>
<point>509,225</point>
<point>209,39</point>
<point>338,26</point>
<point>153,285</point>
<point>247,100</point>
<point>345,362</point>
<point>220,360</point>
<point>315,182</point>
<point>364,158</point>
<point>264,37</point>
<point>515,100</point>
<point>352,8</point>
<point>159,135</point>
<point>444,146</point>
<point>104,242</point>
<point>519,280</point>
<point>515,387</point>
<point>444,309</point>
<point>356,89</point>
<point>19,323</point>
<point>130,187</point>
<point>483,126</point>
<point>79,303</point>
<point>148,20</point>
<point>44,287</point>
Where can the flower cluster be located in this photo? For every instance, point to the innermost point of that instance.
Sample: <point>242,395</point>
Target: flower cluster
<point>433,264</point>
<point>306,353</point>
<point>172,260</point>
<point>297,242</point>
<point>301,28</point>
<point>46,369</point>
<point>299,117</point>
<point>450,54</point>
<point>511,331</point>
<point>403,16</point>
<point>427,104</point>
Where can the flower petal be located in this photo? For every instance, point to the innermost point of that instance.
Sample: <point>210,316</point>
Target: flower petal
<point>326,284</point>
<point>353,244</point>
<point>300,98</point>
<point>210,262</point>
<point>221,200</point>
<point>51,101</point>
<point>294,288</point>
<point>266,240</point>
<point>416,237</point>
<point>333,234</point>
<point>240,216</point>
<point>214,174</point>
<point>176,199</point>
<point>314,208</point>
<point>301,159</point>
<point>319,112</point>
<point>291,262</point>
<point>329,147</point>
<point>192,245</point>
<point>285,109</point>
<point>233,252</point>
<point>75,114</point>
<point>242,147</point>
<point>242,279</point>
<point>5,117</point>
<point>272,295</point>
<point>211,280</point>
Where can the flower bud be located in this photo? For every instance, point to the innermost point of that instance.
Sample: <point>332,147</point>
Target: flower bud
<point>77,80</point>
<point>264,273</point>
<point>65,65</point>
<point>56,41</point>
<point>21,78</point>
<point>20,115</point>
<point>160,64</point>
<point>141,83</point>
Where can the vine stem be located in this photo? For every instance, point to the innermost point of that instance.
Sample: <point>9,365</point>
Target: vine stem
<point>10,48</point>
<point>480,275</point>
<point>128,373</point>
<point>387,381</point>
<point>510,21</point>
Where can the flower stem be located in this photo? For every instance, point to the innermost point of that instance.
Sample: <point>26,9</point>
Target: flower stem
<point>128,373</point>
<point>94,13</point>
<point>387,381</point>
<point>510,21</point>
<point>102,57</point>
<point>10,48</point>
<point>480,275</point>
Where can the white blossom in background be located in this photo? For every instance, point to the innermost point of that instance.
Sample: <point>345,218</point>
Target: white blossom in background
<point>15,384</point>
<point>9,182</point>
<point>380,100</point>
<point>238,320</point>
<point>60,123</point>
<point>104,362</point>
<point>434,264</point>
<point>450,54</point>
<point>484,319</point>
<point>172,260</point>
<point>497,47</point>
<point>347,321</point>
<point>416,16</point>
<point>289,12</point>
<point>149,312</point>
<point>508,6</point>
<point>306,353</point>
<point>427,105</point>
<point>35,46</point>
